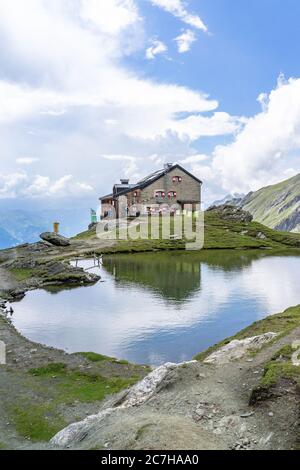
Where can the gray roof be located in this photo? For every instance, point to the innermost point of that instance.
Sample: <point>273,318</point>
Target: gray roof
<point>153,177</point>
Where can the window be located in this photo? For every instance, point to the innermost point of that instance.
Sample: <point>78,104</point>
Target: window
<point>176,179</point>
<point>172,194</point>
<point>160,194</point>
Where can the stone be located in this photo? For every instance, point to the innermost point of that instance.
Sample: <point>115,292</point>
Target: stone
<point>55,239</point>
<point>136,396</point>
<point>236,349</point>
<point>247,415</point>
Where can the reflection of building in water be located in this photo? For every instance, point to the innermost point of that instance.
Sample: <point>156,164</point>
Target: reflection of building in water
<point>173,277</point>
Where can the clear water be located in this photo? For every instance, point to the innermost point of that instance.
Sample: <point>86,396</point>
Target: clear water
<point>153,308</point>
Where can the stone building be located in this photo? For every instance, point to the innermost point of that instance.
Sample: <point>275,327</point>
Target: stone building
<point>172,189</point>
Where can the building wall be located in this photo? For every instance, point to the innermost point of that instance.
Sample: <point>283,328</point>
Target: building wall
<point>188,190</point>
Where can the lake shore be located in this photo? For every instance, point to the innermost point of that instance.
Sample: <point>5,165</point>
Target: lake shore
<point>249,402</point>
<point>246,402</point>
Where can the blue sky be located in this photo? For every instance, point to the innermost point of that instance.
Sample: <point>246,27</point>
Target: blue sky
<point>93,90</point>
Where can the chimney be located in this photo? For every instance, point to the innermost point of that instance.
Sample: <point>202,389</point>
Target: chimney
<point>125,182</point>
<point>167,166</point>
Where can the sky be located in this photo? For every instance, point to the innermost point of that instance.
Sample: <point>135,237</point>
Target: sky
<point>95,90</point>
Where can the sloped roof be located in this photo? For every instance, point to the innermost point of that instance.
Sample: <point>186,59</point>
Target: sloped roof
<point>154,177</point>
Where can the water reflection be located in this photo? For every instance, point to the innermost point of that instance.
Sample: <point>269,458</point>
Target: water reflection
<point>152,308</point>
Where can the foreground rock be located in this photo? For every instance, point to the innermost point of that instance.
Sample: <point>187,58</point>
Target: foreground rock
<point>55,239</point>
<point>149,429</point>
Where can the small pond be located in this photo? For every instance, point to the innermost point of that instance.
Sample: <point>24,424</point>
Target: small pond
<point>153,308</point>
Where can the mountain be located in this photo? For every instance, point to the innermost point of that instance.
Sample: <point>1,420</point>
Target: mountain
<point>276,206</point>
<point>20,226</point>
<point>6,240</point>
<point>232,199</point>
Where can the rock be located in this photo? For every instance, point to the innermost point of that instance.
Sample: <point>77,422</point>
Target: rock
<point>236,349</point>
<point>247,415</point>
<point>229,212</point>
<point>261,236</point>
<point>136,396</point>
<point>55,239</point>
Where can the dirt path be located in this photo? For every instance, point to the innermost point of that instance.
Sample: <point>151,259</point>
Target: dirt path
<point>202,406</point>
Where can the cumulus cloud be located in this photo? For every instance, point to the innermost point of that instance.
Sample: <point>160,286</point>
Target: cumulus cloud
<point>179,10</point>
<point>268,141</point>
<point>185,41</point>
<point>22,184</point>
<point>197,126</point>
<point>157,47</point>
<point>67,95</point>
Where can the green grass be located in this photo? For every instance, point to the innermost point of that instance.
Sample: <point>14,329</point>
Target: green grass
<point>37,422</point>
<point>71,385</point>
<point>280,367</point>
<point>21,274</point>
<point>285,194</point>
<point>220,233</point>
<point>2,446</point>
<point>94,357</point>
<point>49,369</point>
<point>36,414</point>
<point>282,323</point>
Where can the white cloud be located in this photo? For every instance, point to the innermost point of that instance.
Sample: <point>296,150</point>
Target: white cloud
<point>185,41</point>
<point>10,184</point>
<point>23,185</point>
<point>197,126</point>
<point>262,149</point>
<point>27,160</point>
<point>129,164</point>
<point>111,16</point>
<point>66,96</point>
<point>194,159</point>
<point>178,9</point>
<point>157,47</point>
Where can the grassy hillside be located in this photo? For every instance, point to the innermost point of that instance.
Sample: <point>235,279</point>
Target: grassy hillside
<point>277,206</point>
<point>220,233</point>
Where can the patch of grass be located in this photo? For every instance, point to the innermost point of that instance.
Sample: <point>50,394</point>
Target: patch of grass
<point>47,370</point>
<point>72,385</point>
<point>279,367</point>
<point>36,422</point>
<point>21,274</point>
<point>85,235</point>
<point>2,446</point>
<point>94,357</point>
<point>282,323</point>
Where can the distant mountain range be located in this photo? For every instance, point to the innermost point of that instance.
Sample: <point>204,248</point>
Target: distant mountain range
<point>276,206</point>
<point>20,226</point>
<point>234,198</point>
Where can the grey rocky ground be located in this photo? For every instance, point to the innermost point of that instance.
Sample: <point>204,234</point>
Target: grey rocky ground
<point>200,406</point>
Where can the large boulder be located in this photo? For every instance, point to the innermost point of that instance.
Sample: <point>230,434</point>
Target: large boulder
<point>55,239</point>
<point>229,212</point>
